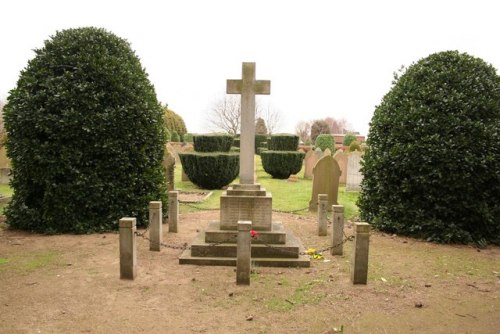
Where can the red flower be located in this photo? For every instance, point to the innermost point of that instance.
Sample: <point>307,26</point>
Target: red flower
<point>253,233</point>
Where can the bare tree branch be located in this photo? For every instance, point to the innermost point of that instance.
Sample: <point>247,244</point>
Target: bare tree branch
<point>225,114</point>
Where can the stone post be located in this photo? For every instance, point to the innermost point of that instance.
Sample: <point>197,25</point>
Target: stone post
<point>337,230</point>
<point>359,272</point>
<point>243,253</point>
<point>173,211</point>
<point>128,253</point>
<point>322,214</point>
<point>155,226</point>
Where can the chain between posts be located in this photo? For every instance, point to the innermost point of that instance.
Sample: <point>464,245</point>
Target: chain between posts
<point>319,251</point>
<point>198,207</point>
<point>185,246</point>
<point>291,211</point>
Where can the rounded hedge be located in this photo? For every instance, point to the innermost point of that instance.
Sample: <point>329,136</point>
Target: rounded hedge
<point>354,146</point>
<point>348,139</point>
<point>283,142</point>
<point>213,142</point>
<point>282,164</point>
<point>432,168</point>
<point>210,170</point>
<point>324,141</point>
<point>86,136</point>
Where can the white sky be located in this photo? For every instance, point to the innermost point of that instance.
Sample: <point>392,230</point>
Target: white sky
<point>324,58</point>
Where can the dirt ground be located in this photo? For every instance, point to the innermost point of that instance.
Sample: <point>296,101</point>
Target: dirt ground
<point>71,284</point>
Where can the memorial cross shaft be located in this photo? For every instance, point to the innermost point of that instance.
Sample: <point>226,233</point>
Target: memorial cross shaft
<point>248,87</point>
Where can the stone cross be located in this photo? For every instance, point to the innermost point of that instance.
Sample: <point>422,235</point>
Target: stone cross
<point>248,87</point>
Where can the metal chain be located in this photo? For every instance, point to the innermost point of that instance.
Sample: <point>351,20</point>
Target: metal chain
<point>198,208</point>
<point>346,239</point>
<point>292,211</point>
<point>185,246</point>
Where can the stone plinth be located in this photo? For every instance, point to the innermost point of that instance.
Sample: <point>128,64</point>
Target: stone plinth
<point>246,202</point>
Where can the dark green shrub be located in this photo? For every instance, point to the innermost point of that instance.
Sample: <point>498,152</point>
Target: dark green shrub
<point>282,164</point>
<point>86,136</point>
<point>261,149</point>
<point>259,139</point>
<point>432,168</point>
<point>324,141</point>
<point>236,142</point>
<point>283,142</point>
<point>213,142</point>
<point>354,146</point>
<point>348,139</point>
<point>210,170</point>
<point>174,137</point>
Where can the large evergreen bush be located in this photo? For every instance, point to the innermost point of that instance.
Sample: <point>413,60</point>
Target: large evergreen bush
<point>86,136</point>
<point>433,167</point>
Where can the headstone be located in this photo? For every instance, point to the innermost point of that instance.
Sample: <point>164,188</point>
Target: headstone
<point>248,87</point>
<point>341,158</point>
<point>327,152</point>
<point>169,166</point>
<point>310,161</point>
<point>326,176</point>
<point>354,176</point>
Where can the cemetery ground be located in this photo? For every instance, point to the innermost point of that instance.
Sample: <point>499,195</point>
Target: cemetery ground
<point>70,283</point>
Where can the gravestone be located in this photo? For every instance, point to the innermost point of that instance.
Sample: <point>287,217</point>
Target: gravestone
<point>354,176</point>
<point>327,152</point>
<point>169,166</point>
<point>326,176</point>
<point>246,201</point>
<point>341,158</point>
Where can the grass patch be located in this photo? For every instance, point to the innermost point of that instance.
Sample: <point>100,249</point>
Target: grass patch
<point>304,294</point>
<point>287,196</point>
<point>5,190</point>
<point>29,261</point>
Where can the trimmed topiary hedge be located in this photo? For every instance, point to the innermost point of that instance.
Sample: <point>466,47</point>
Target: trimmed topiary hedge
<point>282,164</point>
<point>432,169</point>
<point>259,139</point>
<point>86,136</point>
<point>324,141</point>
<point>210,170</point>
<point>213,142</point>
<point>283,142</point>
